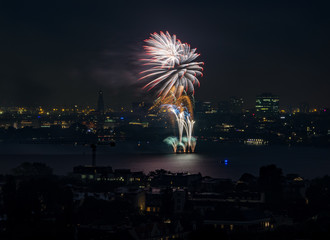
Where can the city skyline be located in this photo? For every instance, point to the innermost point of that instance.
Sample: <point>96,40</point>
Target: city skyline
<point>128,106</point>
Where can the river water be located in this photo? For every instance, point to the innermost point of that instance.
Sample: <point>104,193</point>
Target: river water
<point>211,158</point>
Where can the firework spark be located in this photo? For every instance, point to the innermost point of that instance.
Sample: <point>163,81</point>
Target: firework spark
<point>172,65</point>
<point>173,141</point>
<point>184,121</point>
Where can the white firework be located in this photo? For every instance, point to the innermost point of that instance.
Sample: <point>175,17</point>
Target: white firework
<point>164,50</point>
<point>172,67</point>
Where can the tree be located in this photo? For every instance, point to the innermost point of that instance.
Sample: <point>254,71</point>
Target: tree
<point>32,169</point>
<point>270,182</point>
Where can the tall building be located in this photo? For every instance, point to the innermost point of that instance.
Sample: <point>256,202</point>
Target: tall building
<point>100,117</point>
<point>223,107</point>
<point>203,107</point>
<point>141,107</point>
<point>267,105</point>
<point>236,104</point>
<point>100,103</point>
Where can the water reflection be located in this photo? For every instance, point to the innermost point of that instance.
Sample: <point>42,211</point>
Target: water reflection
<point>225,161</point>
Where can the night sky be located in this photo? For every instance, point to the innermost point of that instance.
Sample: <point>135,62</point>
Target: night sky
<point>63,52</point>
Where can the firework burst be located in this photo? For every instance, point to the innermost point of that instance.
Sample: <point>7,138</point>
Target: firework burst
<point>172,66</point>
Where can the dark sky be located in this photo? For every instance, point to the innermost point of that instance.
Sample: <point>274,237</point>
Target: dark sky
<point>63,52</point>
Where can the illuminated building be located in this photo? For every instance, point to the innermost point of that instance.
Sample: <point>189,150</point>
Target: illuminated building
<point>93,173</point>
<point>255,141</point>
<point>236,104</point>
<point>204,107</point>
<point>141,107</point>
<point>100,111</point>
<point>223,107</point>
<point>100,103</point>
<point>267,105</point>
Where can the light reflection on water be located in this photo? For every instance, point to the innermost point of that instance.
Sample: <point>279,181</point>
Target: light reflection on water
<point>308,162</point>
